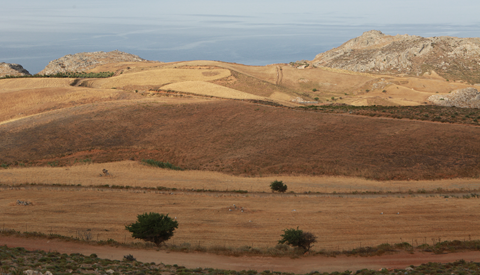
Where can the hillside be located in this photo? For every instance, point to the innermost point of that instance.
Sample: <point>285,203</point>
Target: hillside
<point>84,61</point>
<point>243,138</point>
<point>12,70</point>
<point>374,52</point>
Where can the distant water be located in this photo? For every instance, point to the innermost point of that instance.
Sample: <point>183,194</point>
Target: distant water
<point>32,34</point>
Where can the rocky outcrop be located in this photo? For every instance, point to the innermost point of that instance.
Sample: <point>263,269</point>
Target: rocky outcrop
<point>374,52</point>
<point>464,98</point>
<point>85,61</point>
<point>12,70</point>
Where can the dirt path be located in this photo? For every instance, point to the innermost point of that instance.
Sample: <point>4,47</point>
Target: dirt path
<point>193,260</point>
<point>279,76</point>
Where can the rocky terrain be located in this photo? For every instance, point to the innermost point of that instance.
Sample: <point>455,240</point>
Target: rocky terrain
<point>374,52</point>
<point>84,61</point>
<point>12,70</point>
<point>463,98</point>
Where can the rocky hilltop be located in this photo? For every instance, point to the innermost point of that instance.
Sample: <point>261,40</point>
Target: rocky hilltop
<point>374,52</point>
<point>84,61</point>
<point>12,69</point>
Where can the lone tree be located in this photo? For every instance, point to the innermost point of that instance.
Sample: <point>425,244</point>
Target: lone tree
<point>298,238</point>
<point>278,186</point>
<point>153,227</point>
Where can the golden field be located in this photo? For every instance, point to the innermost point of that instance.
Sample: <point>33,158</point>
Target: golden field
<point>206,219</point>
<point>180,112</point>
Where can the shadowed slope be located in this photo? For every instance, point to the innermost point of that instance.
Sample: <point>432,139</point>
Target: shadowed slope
<point>244,138</point>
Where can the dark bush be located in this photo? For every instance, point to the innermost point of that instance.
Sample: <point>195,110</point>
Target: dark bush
<point>298,238</point>
<point>153,227</point>
<point>278,186</point>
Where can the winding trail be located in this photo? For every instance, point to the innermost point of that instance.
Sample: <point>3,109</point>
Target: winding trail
<point>205,260</point>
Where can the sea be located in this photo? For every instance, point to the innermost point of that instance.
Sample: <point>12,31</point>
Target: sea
<point>32,33</point>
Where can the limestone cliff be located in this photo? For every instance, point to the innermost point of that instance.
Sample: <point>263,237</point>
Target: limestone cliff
<point>374,52</point>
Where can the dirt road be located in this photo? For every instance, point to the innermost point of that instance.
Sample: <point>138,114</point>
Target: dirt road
<point>193,260</point>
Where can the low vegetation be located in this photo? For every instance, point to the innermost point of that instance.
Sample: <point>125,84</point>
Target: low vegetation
<point>18,259</point>
<point>280,250</point>
<point>160,164</point>
<point>65,75</point>
<point>425,112</point>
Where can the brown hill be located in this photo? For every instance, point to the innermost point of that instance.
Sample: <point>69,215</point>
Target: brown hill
<point>80,62</point>
<point>242,138</point>
<point>12,70</point>
<point>374,52</point>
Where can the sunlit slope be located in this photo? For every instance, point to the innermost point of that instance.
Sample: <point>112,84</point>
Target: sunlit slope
<point>159,77</point>
<point>17,104</point>
<point>209,89</point>
<point>15,84</point>
<point>238,137</point>
<point>284,83</point>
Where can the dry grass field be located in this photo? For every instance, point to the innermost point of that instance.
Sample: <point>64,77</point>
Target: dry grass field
<point>209,89</point>
<point>55,133</point>
<point>310,84</point>
<point>206,219</point>
<point>19,104</point>
<point>243,138</point>
<point>136,174</point>
<point>160,77</point>
<point>17,84</point>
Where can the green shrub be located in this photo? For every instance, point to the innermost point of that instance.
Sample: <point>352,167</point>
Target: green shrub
<point>160,164</point>
<point>278,186</point>
<point>298,238</point>
<point>153,227</point>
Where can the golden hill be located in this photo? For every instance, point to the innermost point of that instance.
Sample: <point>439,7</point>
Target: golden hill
<point>192,114</point>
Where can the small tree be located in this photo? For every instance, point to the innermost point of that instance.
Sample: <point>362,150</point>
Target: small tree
<point>153,227</point>
<point>278,186</point>
<point>298,238</point>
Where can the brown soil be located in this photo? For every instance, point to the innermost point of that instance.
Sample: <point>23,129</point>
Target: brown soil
<point>245,139</point>
<point>193,260</point>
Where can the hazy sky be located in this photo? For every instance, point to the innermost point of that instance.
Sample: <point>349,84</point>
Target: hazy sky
<point>260,32</point>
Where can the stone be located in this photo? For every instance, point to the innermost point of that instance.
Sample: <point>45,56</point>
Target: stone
<point>80,62</point>
<point>463,98</point>
<point>374,52</point>
<point>12,70</point>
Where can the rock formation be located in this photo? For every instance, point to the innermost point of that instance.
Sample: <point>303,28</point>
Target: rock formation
<point>84,61</point>
<point>464,98</point>
<point>374,52</point>
<point>12,70</point>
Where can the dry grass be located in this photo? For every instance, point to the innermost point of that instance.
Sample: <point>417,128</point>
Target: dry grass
<point>238,137</point>
<point>205,219</point>
<point>209,89</point>
<point>135,174</point>
<point>21,103</point>
<point>159,77</point>
<point>9,85</point>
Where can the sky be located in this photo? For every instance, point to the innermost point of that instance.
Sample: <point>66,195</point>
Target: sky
<point>259,32</point>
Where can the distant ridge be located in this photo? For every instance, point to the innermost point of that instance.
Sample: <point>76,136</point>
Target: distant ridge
<point>88,60</point>
<point>374,52</point>
<point>12,70</point>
